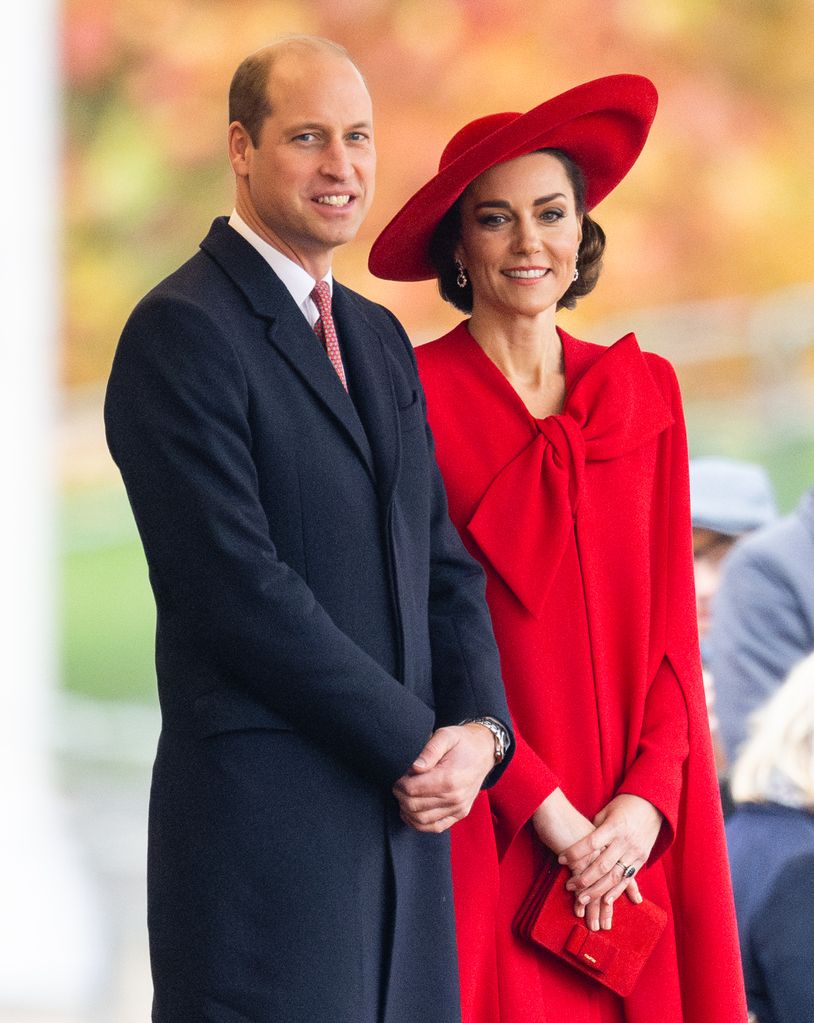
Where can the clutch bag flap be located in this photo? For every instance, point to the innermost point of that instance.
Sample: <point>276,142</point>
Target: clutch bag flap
<point>614,958</point>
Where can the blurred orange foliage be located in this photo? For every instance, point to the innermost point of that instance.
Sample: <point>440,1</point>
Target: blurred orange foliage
<point>720,202</point>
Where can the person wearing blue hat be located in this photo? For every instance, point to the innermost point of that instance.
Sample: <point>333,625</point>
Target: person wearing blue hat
<point>728,499</point>
<point>763,617</point>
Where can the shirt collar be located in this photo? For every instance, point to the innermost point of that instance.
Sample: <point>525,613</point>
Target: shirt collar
<point>299,282</point>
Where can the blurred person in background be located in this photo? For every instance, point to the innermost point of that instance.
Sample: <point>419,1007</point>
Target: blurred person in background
<point>322,633</point>
<point>763,618</point>
<point>771,849</point>
<point>566,470</point>
<point>728,498</point>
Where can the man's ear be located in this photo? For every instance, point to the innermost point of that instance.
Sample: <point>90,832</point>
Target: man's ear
<point>240,149</point>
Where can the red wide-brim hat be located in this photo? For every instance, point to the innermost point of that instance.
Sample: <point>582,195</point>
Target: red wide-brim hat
<point>602,125</point>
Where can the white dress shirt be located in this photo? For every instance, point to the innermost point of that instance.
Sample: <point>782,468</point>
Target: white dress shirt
<point>299,282</point>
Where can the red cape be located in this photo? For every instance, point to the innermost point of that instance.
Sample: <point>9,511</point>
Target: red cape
<point>581,521</point>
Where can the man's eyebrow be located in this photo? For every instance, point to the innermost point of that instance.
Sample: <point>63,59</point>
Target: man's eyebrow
<point>305,126</point>
<point>319,126</point>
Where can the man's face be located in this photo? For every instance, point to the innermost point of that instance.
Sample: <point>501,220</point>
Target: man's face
<point>709,548</point>
<point>308,184</point>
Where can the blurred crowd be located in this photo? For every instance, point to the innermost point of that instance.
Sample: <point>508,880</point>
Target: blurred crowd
<point>754,575</point>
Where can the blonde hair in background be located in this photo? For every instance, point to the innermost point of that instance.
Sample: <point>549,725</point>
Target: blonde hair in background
<point>777,762</point>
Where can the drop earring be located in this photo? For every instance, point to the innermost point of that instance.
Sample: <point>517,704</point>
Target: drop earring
<point>461,280</point>
<point>576,268</point>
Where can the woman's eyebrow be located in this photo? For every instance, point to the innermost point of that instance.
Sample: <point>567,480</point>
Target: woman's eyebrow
<point>503,205</point>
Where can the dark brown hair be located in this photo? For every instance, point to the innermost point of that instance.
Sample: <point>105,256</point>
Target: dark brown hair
<point>448,234</point>
<point>248,102</point>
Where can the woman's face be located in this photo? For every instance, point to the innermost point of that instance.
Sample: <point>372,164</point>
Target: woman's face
<point>520,233</point>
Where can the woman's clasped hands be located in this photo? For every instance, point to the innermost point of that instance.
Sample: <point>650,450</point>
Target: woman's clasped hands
<point>598,853</point>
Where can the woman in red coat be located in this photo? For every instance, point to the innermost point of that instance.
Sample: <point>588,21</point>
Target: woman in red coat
<point>566,469</point>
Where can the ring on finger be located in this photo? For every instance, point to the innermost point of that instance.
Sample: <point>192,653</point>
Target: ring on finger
<point>627,872</point>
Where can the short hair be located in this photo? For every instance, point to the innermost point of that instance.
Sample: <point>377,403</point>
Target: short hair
<point>776,763</point>
<point>448,234</point>
<point>248,95</point>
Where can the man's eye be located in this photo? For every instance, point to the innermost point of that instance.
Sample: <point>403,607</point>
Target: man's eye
<point>307,136</point>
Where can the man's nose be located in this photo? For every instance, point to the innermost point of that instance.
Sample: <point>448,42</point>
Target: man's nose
<point>336,162</point>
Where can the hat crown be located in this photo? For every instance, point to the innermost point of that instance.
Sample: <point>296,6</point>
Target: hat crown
<point>473,133</point>
<point>730,496</point>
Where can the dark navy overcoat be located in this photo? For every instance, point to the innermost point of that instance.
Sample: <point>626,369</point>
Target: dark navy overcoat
<point>317,618</point>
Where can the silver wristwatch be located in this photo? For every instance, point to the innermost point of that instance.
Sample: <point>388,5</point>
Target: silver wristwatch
<point>500,734</point>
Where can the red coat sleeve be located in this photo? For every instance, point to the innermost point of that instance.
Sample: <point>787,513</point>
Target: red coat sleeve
<point>525,783</point>
<point>657,773</point>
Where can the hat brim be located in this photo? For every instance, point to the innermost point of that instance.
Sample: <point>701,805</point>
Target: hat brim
<point>602,125</point>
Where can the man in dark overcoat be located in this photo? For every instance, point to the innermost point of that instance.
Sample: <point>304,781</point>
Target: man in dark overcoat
<point>322,641</point>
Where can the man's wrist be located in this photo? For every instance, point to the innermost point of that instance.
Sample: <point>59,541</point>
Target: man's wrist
<point>499,734</point>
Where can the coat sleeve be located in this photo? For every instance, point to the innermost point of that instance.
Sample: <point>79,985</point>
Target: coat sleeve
<point>467,680</point>
<point>177,425</point>
<point>657,772</point>
<point>759,630</point>
<point>513,800</point>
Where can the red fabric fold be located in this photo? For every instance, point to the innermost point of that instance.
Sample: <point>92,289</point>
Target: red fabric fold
<point>612,409</point>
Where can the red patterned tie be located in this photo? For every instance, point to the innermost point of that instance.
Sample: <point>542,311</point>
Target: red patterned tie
<point>325,330</point>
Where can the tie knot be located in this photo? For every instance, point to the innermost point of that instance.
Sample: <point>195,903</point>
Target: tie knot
<point>321,296</point>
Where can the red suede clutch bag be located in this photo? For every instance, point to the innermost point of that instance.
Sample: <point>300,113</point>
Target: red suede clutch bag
<point>614,958</point>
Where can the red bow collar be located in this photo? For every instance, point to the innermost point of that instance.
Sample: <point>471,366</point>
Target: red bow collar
<point>524,519</point>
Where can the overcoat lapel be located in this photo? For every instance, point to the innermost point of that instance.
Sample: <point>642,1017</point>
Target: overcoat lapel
<point>299,346</point>
<point>371,383</point>
<point>288,329</point>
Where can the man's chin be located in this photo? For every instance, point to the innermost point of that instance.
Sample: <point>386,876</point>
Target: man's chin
<point>327,241</point>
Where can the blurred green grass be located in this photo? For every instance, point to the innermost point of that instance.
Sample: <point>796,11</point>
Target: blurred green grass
<point>789,463</point>
<point>107,611</point>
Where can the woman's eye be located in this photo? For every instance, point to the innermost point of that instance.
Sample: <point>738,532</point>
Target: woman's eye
<point>493,219</point>
<point>551,216</point>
